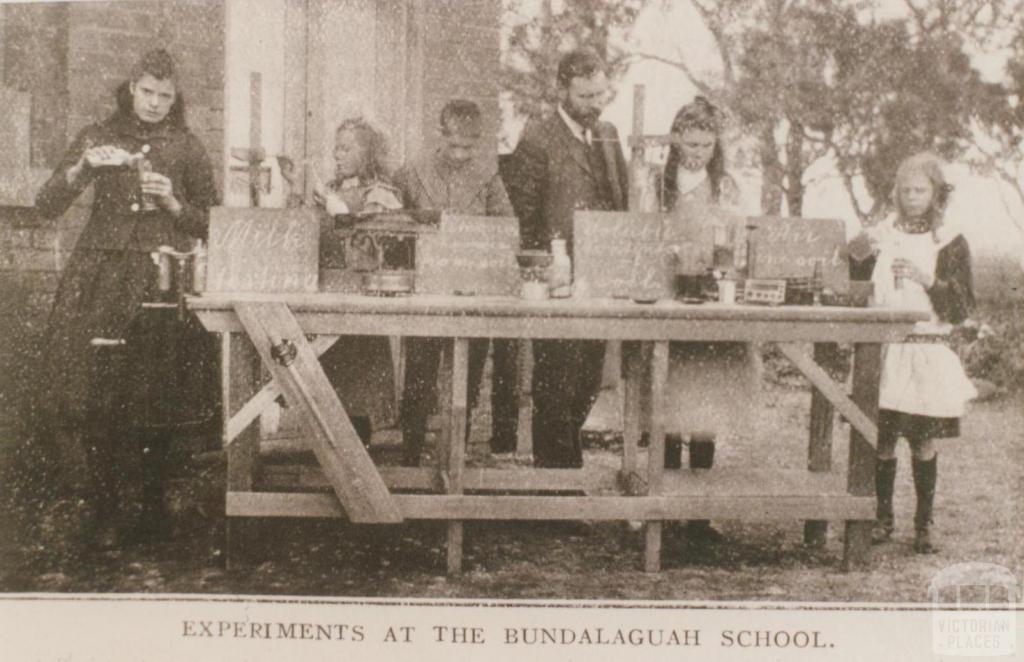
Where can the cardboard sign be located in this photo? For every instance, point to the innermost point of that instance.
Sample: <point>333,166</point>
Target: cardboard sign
<point>637,255</point>
<point>263,250</point>
<point>622,254</point>
<point>472,255</point>
<point>790,248</point>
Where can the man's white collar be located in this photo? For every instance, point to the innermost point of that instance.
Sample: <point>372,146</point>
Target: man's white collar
<point>582,134</point>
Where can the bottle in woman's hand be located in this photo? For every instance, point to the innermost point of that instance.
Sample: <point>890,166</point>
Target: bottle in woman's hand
<point>106,156</point>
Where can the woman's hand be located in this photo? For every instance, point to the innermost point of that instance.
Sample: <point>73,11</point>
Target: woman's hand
<point>329,200</point>
<point>319,194</point>
<point>904,268</point>
<point>106,156</point>
<point>160,187</point>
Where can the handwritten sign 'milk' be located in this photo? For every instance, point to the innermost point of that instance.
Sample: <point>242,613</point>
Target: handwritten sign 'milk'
<point>469,255</point>
<point>790,247</point>
<point>263,250</point>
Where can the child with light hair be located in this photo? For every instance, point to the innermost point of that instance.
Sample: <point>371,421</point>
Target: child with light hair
<point>919,263</point>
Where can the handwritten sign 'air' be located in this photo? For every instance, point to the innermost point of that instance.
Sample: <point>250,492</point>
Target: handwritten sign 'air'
<point>790,248</point>
<point>469,255</point>
<point>263,250</point>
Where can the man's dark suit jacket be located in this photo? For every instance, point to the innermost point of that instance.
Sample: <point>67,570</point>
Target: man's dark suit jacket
<point>552,174</point>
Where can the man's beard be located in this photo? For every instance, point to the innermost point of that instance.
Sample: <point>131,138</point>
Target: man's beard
<point>587,118</point>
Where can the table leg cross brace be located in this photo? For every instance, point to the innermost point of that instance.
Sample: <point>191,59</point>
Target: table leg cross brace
<point>340,453</point>
<point>267,395</point>
<point>836,395</point>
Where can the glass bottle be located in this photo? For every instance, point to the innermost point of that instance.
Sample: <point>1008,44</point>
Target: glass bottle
<point>560,273</point>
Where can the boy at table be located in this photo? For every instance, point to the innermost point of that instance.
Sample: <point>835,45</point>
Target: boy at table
<point>456,178</point>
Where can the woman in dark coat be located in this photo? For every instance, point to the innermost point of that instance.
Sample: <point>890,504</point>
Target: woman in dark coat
<point>119,377</point>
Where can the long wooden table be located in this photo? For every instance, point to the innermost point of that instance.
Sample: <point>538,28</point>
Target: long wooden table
<point>286,332</point>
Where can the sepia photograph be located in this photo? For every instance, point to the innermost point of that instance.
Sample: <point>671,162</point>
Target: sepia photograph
<point>571,329</point>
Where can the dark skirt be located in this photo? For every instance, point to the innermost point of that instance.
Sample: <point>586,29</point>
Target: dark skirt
<point>362,373</point>
<point>164,375</point>
<point>915,426</point>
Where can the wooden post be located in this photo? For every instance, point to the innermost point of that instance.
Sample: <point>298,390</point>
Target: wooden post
<point>524,433</point>
<point>612,374</point>
<point>239,371</point>
<point>632,370</point>
<point>455,370</point>
<point>397,345</point>
<point>255,136</point>
<point>656,450</point>
<point>819,449</point>
<point>867,370</point>
<point>637,153</point>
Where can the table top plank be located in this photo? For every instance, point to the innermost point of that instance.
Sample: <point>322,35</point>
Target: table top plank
<point>466,306</point>
<point>608,319</point>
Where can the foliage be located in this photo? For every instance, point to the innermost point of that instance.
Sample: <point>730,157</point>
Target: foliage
<point>534,47</point>
<point>824,78</point>
<point>911,95</point>
<point>999,149</point>
<point>993,349</point>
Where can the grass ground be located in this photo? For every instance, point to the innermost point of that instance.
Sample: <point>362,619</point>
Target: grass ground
<point>979,518</point>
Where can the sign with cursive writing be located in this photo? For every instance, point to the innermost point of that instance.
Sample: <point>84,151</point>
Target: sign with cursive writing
<point>263,250</point>
<point>469,255</point>
<point>622,255</point>
<point>791,247</point>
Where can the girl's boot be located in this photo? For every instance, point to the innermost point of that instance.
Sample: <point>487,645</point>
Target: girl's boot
<point>702,456</point>
<point>885,479</point>
<point>925,472</point>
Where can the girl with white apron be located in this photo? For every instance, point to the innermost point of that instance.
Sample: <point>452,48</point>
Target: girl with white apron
<point>922,265</point>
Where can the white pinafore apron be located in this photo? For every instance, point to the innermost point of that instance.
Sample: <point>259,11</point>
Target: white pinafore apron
<point>926,378</point>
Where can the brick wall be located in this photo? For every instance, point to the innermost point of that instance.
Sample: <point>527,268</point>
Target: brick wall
<point>70,57</point>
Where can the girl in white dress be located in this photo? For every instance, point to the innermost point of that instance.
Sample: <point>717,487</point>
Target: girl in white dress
<point>712,386</point>
<point>920,264</point>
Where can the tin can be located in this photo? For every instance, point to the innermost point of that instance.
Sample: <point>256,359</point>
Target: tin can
<point>727,291</point>
<point>165,270</point>
<point>560,271</point>
<point>199,267</point>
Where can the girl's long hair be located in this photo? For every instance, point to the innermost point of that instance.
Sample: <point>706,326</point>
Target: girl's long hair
<point>704,115</point>
<point>375,144</point>
<point>931,166</point>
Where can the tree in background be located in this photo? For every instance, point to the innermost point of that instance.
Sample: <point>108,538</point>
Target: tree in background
<point>534,47</point>
<point>814,81</point>
<point>999,149</point>
<point>896,93</point>
<point>817,79</point>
